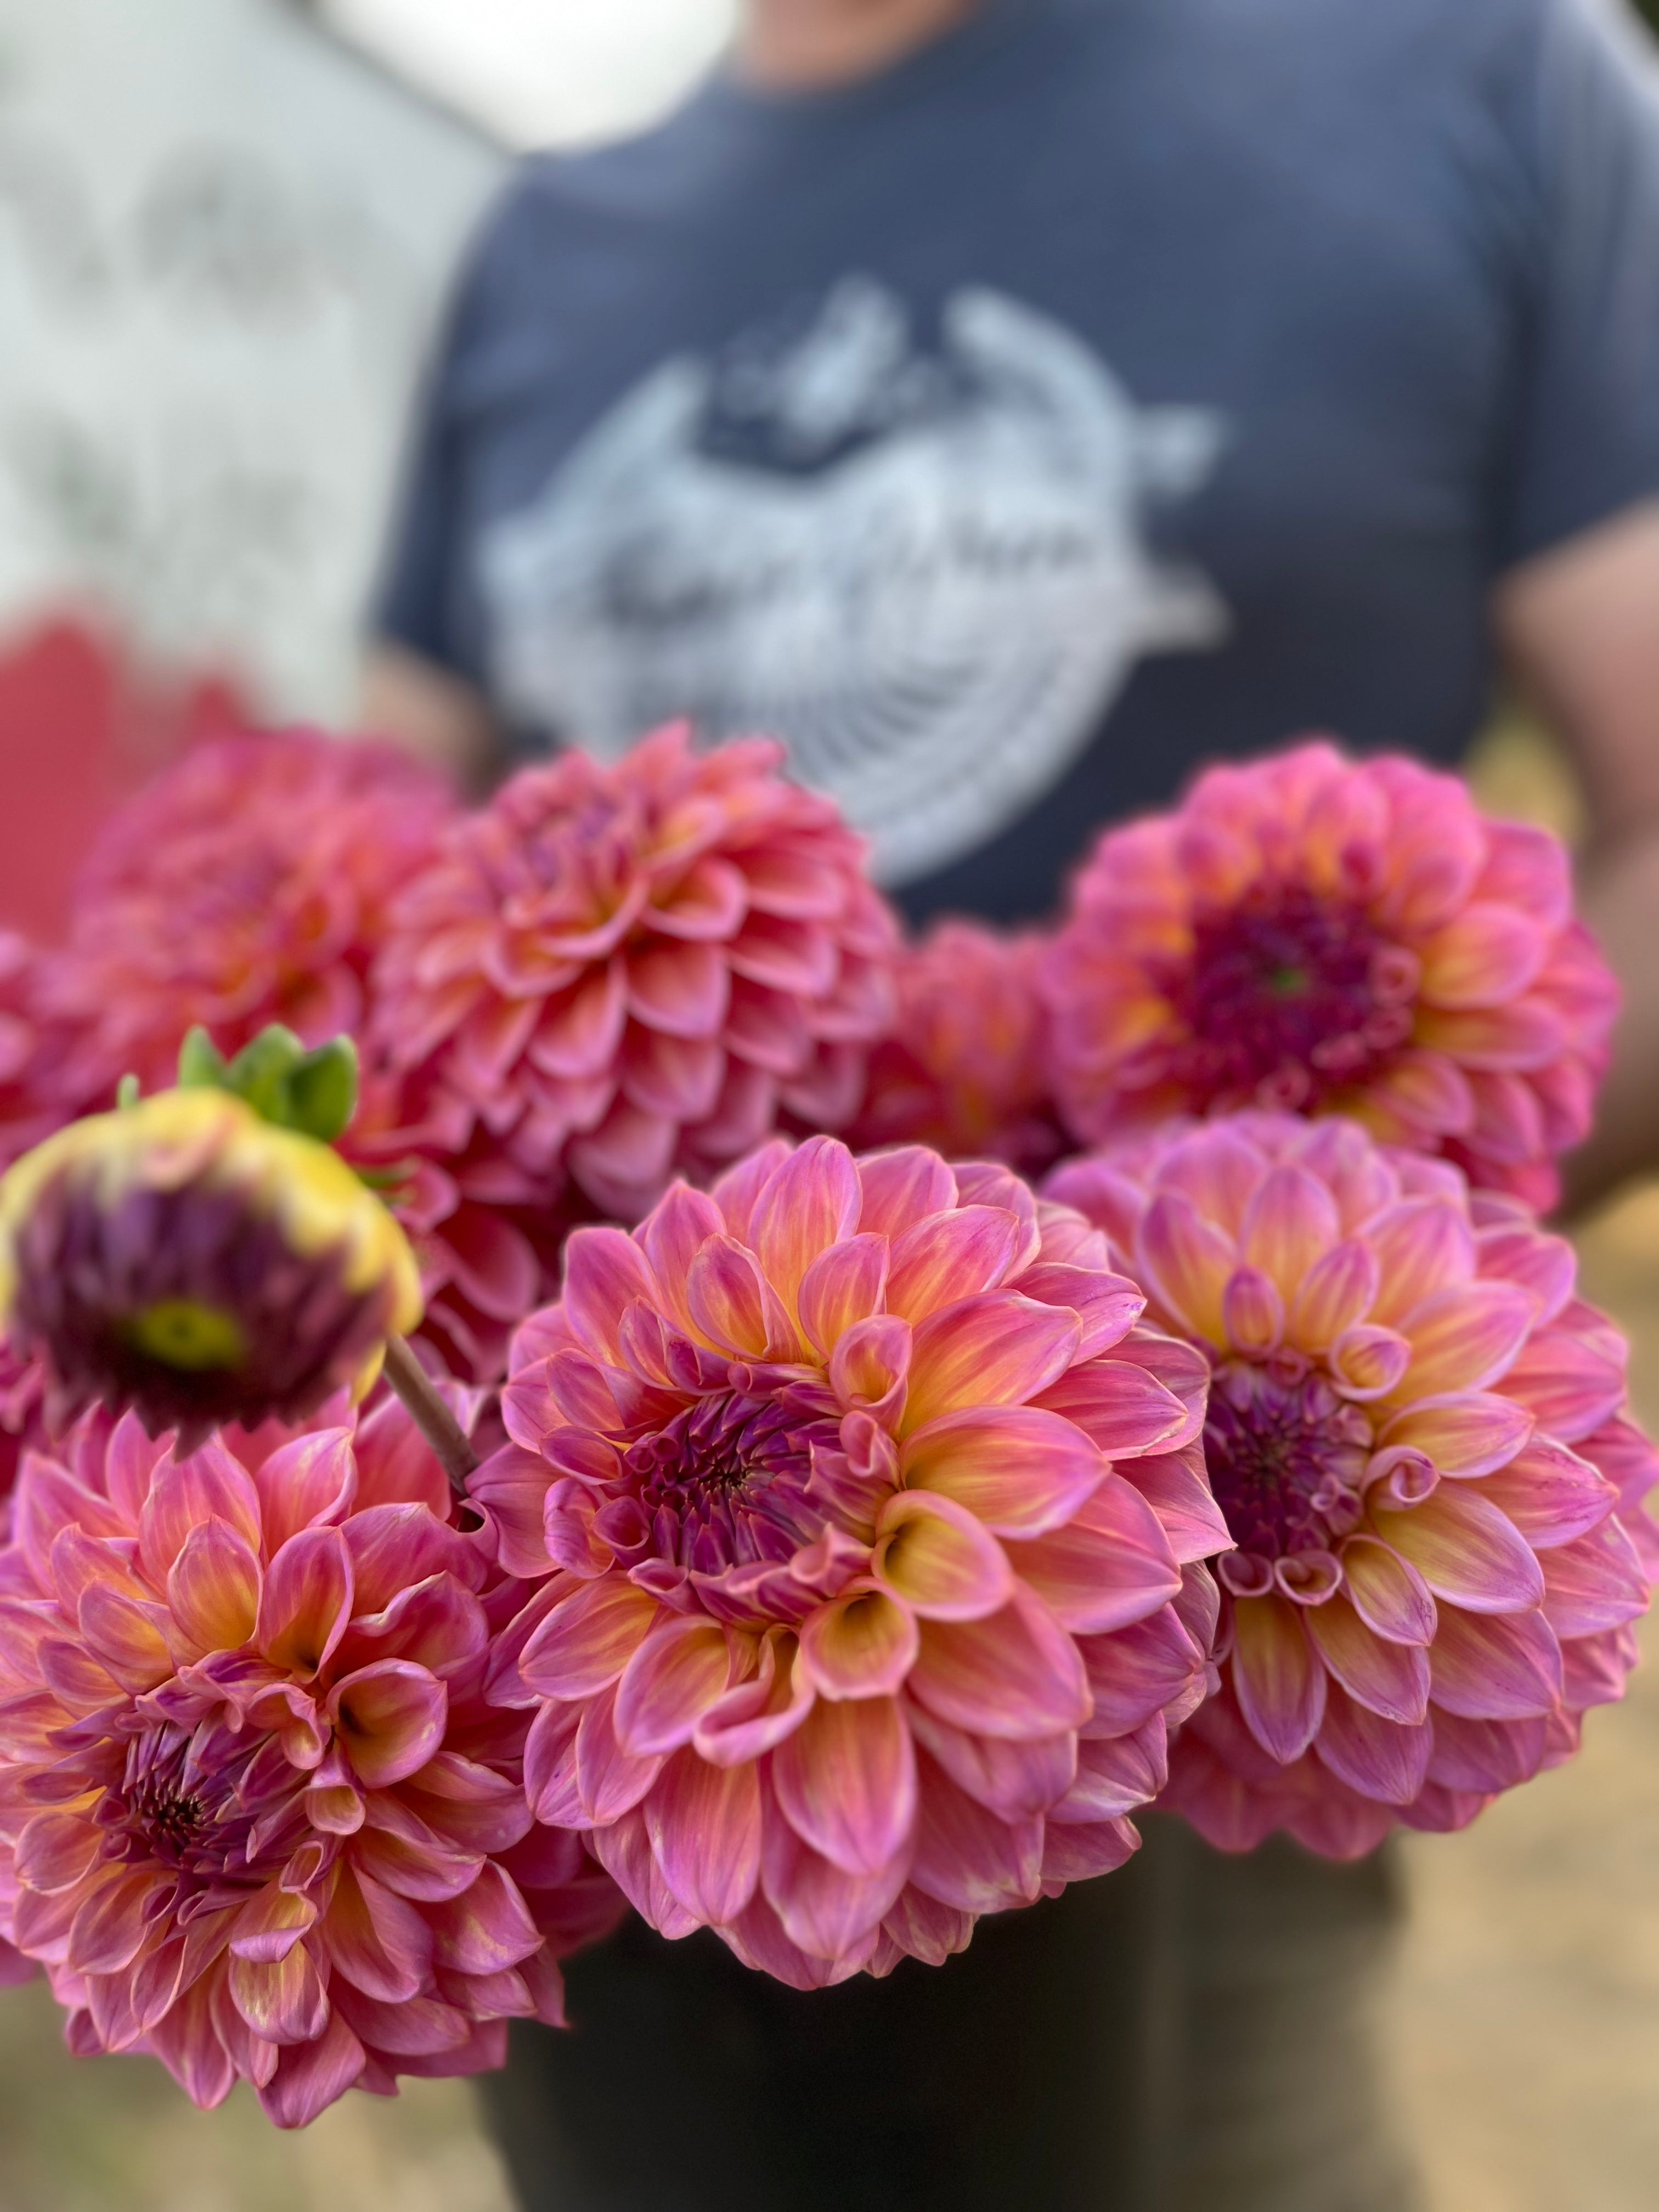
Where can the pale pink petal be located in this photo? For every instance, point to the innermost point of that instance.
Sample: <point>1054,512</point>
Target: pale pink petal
<point>1390,1678</point>
<point>937,1559</point>
<point>1380,1759</point>
<point>861,1646</point>
<point>1493,1667</point>
<point>1016,1674</point>
<point>1279,1682</point>
<point>1465,1550</point>
<point>1469,1433</point>
<point>1387,1594</point>
<point>847,1781</point>
<point>1111,1564</point>
<point>675,1675</point>
<point>997,1350</point>
<point>704,1823</point>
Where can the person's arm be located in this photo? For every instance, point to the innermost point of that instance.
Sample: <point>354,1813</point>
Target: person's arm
<point>431,710</point>
<point>1580,626</point>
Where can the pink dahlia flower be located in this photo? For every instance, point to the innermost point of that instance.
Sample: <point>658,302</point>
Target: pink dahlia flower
<point>1313,933</point>
<point>964,1069</point>
<point>615,971</point>
<point>1415,1433</point>
<point>256,1817</point>
<point>869,1519</point>
<point>248,884</point>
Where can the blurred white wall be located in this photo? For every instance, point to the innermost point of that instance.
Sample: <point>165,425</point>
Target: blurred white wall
<point>544,72</point>
<point>224,238</point>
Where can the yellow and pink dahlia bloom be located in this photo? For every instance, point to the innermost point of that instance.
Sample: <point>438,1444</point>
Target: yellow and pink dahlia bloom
<point>964,1069</point>
<point>1319,935</point>
<point>1416,1434</point>
<point>871,1521</point>
<point>613,972</point>
<point>257,1817</point>
<point>249,883</point>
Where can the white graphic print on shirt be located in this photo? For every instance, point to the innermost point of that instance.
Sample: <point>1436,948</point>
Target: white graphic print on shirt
<point>926,570</point>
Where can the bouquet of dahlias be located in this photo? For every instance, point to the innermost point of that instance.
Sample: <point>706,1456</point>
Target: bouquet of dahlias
<point>573,1401</point>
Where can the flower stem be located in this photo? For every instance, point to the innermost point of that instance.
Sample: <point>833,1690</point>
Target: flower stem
<point>429,1413</point>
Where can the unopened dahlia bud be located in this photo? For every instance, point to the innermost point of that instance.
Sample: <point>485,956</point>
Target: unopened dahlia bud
<point>187,1259</point>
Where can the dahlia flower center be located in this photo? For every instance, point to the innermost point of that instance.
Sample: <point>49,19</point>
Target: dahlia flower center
<point>1290,996</point>
<point>726,1483</point>
<point>187,1334</point>
<point>1286,1458</point>
<point>172,1811</point>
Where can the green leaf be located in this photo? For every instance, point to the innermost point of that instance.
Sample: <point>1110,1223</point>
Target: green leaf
<point>201,1063</point>
<point>322,1091</point>
<point>262,1071</point>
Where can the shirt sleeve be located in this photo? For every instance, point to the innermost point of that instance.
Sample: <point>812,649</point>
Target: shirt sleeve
<point>423,597</point>
<point>1586,424</point>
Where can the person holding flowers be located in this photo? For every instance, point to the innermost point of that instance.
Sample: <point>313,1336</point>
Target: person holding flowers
<point>1013,404</point>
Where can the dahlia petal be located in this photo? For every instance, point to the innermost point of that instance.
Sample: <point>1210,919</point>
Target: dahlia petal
<point>391,1717</point>
<point>682,989</point>
<point>605,1272</point>
<point>870,1365</point>
<point>1110,1565</point>
<point>1187,1263</point>
<point>579,1030</point>
<point>1289,1225</point>
<point>1279,1683</point>
<point>1016,1780</point>
<point>860,1646</point>
<point>1019,1470</point>
<point>1463,1338</point>
<point>1465,1550</point>
<point>901,1187</point>
<point>283,2001</point>
<point>755,1717</point>
<point>757,1937</point>
<point>376,1939</point>
<point>704,1823</point>
<point>1252,1312</point>
<point>1218,1169</point>
<point>1135,1672</point>
<point>734,1306</point>
<point>1572,1384</point>
<point>680,1669</point>
<point>208,1486</point>
<point>1430,1093</point>
<point>550,1767</point>
<point>305,1604</point>
<point>1174,1485</point>
<point>108,1928</point>
<point>919,1927</point>
<point>846,1780</point>
<point>1016,1674</point>
<point>1483,1757</point>
<point>185,2041</point>
<point>213,1588</point>
<point>421,2028</point>
<point>1526,1034</point>
<point>808,1205</point>
<point>826,1910</point>
<point>965,1857</point>
<point>1379,1757</point>
<point>1071,1853</point>
<point>940,1561</point>
<point>1488,956</point>
<point>999,1349</point>
<point>1390,1678</point>
<point>56,1850</point>
<point>953,1255</point>
<point>1421,1246</point>
<point>1388,1593</point>
<point>842,1287</point>
<point>1595,1583</point>
<point>1550,1494</point>
<point>587,1639</point>
<point>1116,1776</point>
<point>310,1480</point>
<point>1495,1666</point>
<point>268,1927</point>
<point>313,2075</point>
<point>1466,1434</point>
<point>1122,1406</point>
<point>123,1635</point>
<point>1367,1361</point>
<point>487,1927</point>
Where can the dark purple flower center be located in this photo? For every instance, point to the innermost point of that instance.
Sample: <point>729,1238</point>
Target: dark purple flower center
<point>187,1304</point>
<point>1289,996</point>
<point>1286,1458</point>
<point>169,1808</point>
<point>727,1482</point>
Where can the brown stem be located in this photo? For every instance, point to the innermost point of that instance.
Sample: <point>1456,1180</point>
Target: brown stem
<point>429,1413</point>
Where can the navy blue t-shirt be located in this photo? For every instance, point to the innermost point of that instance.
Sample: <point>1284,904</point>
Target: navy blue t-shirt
<point>1112,384</point>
